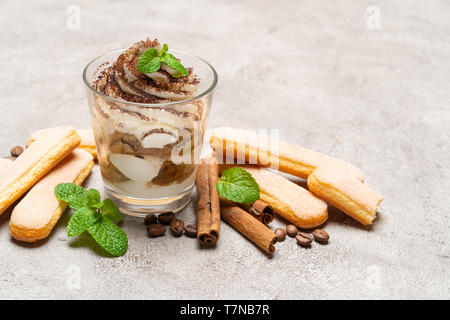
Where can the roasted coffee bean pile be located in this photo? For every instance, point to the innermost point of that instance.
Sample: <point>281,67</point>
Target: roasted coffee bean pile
<point>156,225</point>
<point>304,239</point>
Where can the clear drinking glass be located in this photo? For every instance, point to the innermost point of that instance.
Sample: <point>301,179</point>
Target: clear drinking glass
<point>148,153</point>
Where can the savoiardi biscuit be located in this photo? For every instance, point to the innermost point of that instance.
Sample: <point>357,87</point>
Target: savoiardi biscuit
<point>87,139</point>
<point>34,163</point>
<point>332,180</point>
<point>345,193</point>
<point>36,214</point>
<point>289,200</point>
<point>249,147</point>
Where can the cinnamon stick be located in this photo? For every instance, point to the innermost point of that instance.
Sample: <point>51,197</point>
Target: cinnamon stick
<point>250,227</point>
<point>260,210</point>
<point>208,216</point>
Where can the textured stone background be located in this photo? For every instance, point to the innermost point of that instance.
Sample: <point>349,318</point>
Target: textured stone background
<point>377,98</point>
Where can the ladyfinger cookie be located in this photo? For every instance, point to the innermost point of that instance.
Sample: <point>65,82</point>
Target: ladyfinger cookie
<point>252,148</point>
<point>345,193</point>
<point>289,200</point>
<point>34,163</point>
<point>87,139</point>
<point>36,214</point>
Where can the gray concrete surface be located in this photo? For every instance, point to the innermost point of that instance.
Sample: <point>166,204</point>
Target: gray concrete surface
<point>378,98</point>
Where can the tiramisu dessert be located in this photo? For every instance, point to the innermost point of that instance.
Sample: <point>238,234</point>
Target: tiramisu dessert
<point>147,135</point>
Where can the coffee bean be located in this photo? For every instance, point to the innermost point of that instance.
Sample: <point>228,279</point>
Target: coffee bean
<point>150,219</point>
<point>156,230</point>
<point>166,217</point>
<point>304,239</point>
<point>291,230</point>
<point>177,227</point>
<point>191,230</point>
<point>16,151</point>
<point>321,236</point>
<point>281,234</point>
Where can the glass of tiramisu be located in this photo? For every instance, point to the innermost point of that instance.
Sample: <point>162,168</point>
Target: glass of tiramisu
<point>149,107</point>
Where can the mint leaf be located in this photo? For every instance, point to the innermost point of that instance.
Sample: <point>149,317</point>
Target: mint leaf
<point>81,220</point>
<point>110,210</point>
<point>149,61</point>
<point>238,185</point>
<point>95,216</point>
<point>109,236</point>
<point>74,195</point>
<point>163,50</point>
<point>94,196</point>
<point>150,54</point>
<point>173,63</point>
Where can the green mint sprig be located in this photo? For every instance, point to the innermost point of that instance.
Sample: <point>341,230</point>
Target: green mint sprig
<point>151,61</point>
<point>238,185</point>
<point>94,216</point>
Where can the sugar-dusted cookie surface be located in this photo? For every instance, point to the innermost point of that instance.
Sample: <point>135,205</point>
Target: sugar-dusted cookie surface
<point>253,148</point>
<point>35,162</point>
<point>345,193</point>
<point>87,139</point>
<point>36,214</point>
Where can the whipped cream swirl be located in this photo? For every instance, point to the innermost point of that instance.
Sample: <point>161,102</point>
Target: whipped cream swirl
<point>123,81</point>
